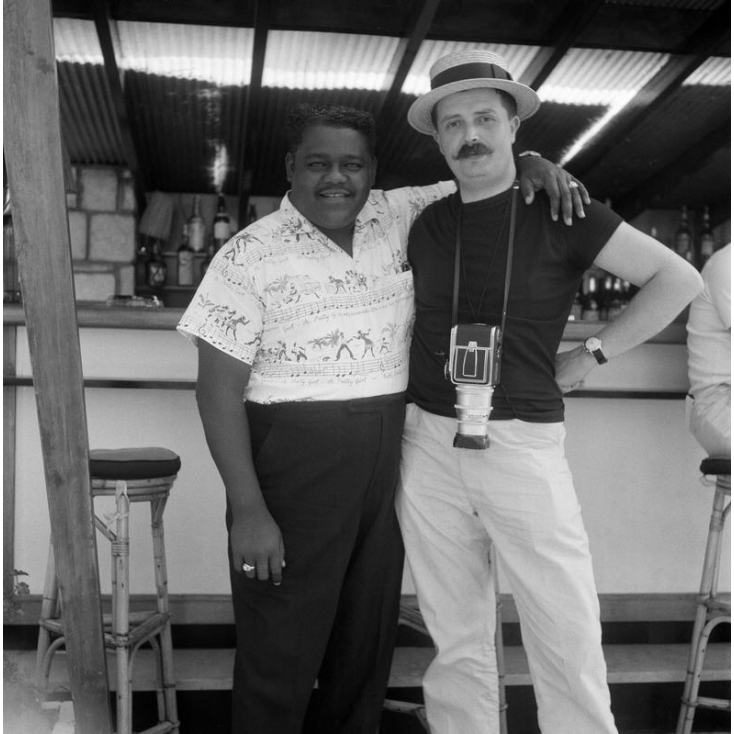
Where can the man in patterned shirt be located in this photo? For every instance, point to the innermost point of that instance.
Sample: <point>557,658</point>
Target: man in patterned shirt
<point>303,417</point>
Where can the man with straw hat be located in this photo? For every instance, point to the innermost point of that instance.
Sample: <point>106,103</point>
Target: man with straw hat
<point>477,258</point>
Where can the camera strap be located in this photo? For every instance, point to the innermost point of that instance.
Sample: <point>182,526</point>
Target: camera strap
<point>508,269</point>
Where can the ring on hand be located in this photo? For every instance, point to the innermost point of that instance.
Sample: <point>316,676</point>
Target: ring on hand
<point>573,185</point>
<point>247,567</point>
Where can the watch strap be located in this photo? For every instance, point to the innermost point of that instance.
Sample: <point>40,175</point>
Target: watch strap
<point>596,353</point>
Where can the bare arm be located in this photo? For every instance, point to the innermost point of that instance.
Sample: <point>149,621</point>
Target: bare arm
<point>255,538</point>
<point>667,285</point>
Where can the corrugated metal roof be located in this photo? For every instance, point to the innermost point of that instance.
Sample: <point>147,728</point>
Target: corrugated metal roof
<point>186,87</point>
<point>310,61</point>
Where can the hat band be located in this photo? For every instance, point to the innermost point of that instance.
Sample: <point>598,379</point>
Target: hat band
<point>476,70</point>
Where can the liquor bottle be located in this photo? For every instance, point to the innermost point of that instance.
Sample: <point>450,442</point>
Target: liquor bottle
<point>683,243</point>
<point>706,240</point>
<point>157,270</point>
<point>605,297</point>
<point>196,227</point>
<point>206,262</point>
<point>222,230</point>
<point>142,258</point>
<point>577,305</point>
<point>591,303</point>
<point>185,257</point>
<point>616,299</point>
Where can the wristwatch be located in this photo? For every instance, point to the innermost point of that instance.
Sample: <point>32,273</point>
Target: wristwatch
<point>593,346</point>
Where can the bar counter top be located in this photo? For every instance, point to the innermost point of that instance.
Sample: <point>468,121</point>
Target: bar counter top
<point>101,316</point>
<point>634,461</point>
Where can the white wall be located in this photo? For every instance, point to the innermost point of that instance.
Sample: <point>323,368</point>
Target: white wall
<point>634,463</point>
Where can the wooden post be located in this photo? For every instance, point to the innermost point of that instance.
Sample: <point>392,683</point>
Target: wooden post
<point>35,174</point>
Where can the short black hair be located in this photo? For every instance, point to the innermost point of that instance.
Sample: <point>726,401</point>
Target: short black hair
<point>304,115</point>
<point>506,99</point>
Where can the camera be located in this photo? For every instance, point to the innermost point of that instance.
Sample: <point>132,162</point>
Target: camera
<point>473,366</point>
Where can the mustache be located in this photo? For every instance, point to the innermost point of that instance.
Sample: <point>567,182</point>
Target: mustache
<point>469,149</point>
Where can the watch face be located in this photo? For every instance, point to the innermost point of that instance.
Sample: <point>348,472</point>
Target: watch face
<point>592,344</point>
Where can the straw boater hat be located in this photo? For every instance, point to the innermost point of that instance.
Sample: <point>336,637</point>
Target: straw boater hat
<point>463,70</point>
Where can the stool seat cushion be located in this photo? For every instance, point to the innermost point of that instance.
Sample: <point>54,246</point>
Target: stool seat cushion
<point>716,465</point>
<point>149,462</point>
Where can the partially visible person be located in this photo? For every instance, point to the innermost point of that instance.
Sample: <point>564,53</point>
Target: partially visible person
<point>516,492</point>
<point>709,357</point>
<point>303,329</point>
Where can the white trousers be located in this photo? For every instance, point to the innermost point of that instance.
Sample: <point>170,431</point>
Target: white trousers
<point>709,418</point>
<point>518,493</point>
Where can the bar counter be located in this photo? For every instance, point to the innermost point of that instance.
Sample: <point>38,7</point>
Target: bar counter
<point>634,462</point>
<point>99,315</point>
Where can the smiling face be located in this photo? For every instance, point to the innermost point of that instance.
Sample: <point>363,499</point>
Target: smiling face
<point>331,174</point>
<point>475,133</point>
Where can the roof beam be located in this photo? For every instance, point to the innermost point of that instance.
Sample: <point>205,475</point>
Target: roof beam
<point>403,61</point>
<point>250,127</point>
<point>107,34</point>
<point>654,188</point>
<point>655,93</point>
<point>567,28</point>
<point>32,136</point>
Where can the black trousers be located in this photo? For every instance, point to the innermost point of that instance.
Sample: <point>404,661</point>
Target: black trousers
<point>328,472</point>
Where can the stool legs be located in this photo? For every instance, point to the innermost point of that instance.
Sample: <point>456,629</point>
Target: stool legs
<point>49,610</point>
<point>166,701</point>
<point>499,642</point>
<point>121,608</point>
<point>709,613</point>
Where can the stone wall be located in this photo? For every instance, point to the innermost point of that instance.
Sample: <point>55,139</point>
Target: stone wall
<point>102,221</point>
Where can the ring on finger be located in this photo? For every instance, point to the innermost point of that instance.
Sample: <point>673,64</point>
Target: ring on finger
<point>573,185</point>
<point>246,567</point>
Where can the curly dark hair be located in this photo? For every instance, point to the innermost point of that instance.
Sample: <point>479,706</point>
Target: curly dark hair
<point>304,115</point>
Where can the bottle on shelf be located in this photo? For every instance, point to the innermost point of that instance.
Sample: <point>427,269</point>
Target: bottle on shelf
<point>142,258</point>
<point>206,262</point>
<point>185,259</point>
<point>615,303</point>
<point>222,227</point>
<point>576,306</point>
<point>706,240</point>
<point>606,287</point>
<point>157,270</point>
<point>196,226</point>
<point>590,310</point>
<point>683,241</point>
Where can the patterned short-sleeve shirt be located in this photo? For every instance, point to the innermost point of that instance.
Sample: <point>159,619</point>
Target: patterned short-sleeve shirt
<point>313,322</point>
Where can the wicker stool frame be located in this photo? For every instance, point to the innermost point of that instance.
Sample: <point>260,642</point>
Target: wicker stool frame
<point>713,609</point>
<point>125,632</point>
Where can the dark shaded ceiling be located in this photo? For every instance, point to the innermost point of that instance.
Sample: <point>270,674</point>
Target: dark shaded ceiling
<point>668,146</point>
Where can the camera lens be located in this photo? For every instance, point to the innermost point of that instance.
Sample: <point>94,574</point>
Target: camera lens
<point>473,406</point>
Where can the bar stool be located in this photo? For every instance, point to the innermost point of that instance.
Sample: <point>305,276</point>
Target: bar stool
<point>130,476</point>
<point>713,608</point>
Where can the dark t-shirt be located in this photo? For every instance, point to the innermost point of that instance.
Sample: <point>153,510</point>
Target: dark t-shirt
<point>548,262</point>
